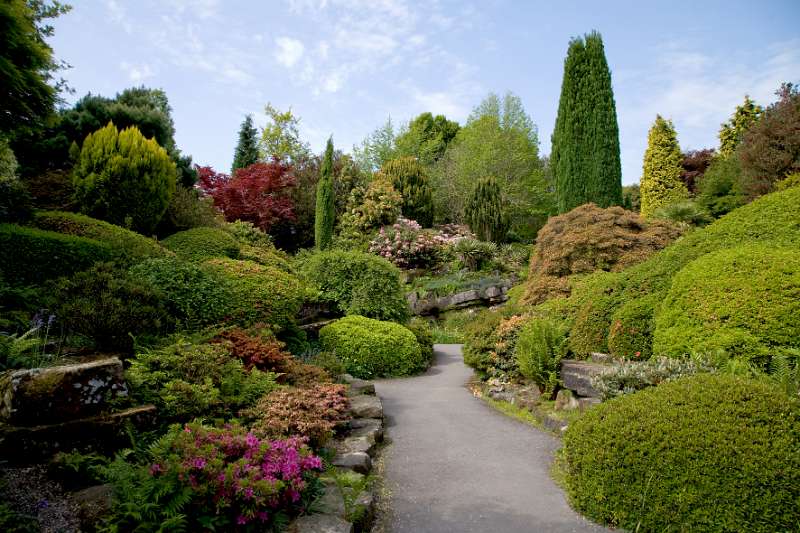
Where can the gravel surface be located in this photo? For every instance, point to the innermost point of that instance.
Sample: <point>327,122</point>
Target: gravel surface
<point>457,465</point>
<point>29,491</point>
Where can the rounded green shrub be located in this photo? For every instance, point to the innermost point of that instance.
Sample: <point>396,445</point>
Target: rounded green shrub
<point>632,326</point>
<point>702,453</point>
<point>194,296</point>
<point>541,345</point>
<point>259,293</point>
<point>110,307</point>
<point>424,334</point>
<point>744,301</point>
<point>479,339</point>
<point>124,178</point>
<point>199,244</point>
<point>128,246</point>
<point>358,284</point>
<point>31,255</point>
<point>373,348</point>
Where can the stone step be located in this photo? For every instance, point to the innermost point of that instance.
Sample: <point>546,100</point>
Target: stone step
<point>577,376</point>
<point>365,406</point>
<point>104,434</point>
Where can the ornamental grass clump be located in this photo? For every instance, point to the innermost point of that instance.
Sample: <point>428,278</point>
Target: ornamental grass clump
<point>200,478</point>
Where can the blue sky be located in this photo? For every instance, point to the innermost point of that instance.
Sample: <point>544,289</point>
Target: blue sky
<point>343,66</point>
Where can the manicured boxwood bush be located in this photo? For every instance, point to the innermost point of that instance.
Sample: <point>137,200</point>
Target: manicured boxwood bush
<point>632,328</point>
<point>109,306</point>
<point>199,244</point>
<point>372,348</point>
<point>358,284</point>
<point>702,453</point>
<point>128,246</point>
<point>744,300</point>
<point>259,293</point>
<point>31,255</point>
<point>195,296</point>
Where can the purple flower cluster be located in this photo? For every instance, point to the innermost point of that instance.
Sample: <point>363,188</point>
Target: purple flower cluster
<point>408,246</point>
<point>233,472</point>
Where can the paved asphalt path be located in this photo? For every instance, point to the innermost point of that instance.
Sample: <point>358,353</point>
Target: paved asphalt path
<point>457,465</point>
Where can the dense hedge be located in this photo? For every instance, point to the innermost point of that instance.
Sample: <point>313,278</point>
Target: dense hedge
<point>773,220</point>
<point>632,326</point>
<point>744,300</point>
<point>372,348</point>
<point>703,453</point>
<point>259,293</point>
<point>358,284</point>
<point>31,255</point>
<point>422,331</point>
<point>199,244</point>
<point>194,296</point>
<point>110,307</point>
<point>128,246</point>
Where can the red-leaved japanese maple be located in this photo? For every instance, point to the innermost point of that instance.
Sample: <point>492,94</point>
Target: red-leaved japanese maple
<point>258,193</point>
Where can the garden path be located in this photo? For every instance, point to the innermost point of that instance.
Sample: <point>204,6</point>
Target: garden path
<point>457,465</point>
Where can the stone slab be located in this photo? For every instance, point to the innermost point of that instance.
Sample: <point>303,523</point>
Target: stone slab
<point>367,427</point>
<point>321,523</point>
<point>366,407</point>
<point>577,376</point>
<point>37,396</point>
<point>358,462</point>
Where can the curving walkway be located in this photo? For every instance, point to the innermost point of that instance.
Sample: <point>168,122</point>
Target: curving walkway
<point>457,465</point>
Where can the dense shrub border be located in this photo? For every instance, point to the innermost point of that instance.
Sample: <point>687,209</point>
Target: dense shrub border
<point>358,283</point>
<point>199,244</point>
<point>31,255</point>
<point>128,245</point>
<point>744,301</point>
<point>372,348</point>
<point>703,453</point>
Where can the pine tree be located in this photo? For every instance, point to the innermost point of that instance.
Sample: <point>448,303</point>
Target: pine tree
<point>410,180</point>
<point>485,213</point>
<point>731,132</point>
<point>661,179</point>
<point>585,156</point>
<point>326,209</point>
<point>247,148</point>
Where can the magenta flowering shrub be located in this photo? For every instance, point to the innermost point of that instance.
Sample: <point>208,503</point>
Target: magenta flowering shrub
<point>218,479</point>
<point>407,245</point>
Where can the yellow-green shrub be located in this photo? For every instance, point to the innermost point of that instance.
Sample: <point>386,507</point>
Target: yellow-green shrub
<point>373,348</point>
<point>199,244</point>
<point>744,301</point>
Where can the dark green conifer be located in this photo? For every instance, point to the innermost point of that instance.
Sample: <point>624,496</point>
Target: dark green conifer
<point>484,211</point>
<point>585,154</point>
<point>247,148</point>
<point>325,209</point>
<point>410,180</point>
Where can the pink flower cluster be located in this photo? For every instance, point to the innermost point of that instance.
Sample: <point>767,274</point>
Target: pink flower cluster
<point>233,472</point>
<point>407,245</point>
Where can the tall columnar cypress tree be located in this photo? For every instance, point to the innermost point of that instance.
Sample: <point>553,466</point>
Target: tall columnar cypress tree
<point>484,211</point>
<point>585,154</point>
<point>661,177</point>
<point>247,148</point>
<point>410,180</point>
<point>326,208</point>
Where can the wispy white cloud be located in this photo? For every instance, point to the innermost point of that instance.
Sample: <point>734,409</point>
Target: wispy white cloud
<point>698,92</point>
<point>289,51</point>
<point>137,73</point>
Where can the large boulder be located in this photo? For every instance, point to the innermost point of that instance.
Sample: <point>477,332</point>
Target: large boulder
<point>37,396</point>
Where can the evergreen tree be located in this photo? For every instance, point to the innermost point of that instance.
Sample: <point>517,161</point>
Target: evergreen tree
<point>585,155</point>
<point>661,179</point>
<point>731,132</point>
<point>326,208</point>
<point>247,148</point>
<point>410,180</point>
<point>484,211</point>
